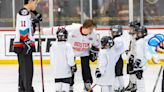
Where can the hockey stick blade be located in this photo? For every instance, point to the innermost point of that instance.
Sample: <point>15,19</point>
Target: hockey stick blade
<point>92,88</point>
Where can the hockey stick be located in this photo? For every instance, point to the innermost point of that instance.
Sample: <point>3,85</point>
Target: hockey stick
<point>41,60</point>
<point>157,78</point>
<point>92,88</point>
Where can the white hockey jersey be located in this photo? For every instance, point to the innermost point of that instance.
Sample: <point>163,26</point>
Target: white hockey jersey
<point>23,28</point>
<point>61,59</point>
<point>106,63</point>
<point>132,46</point>
<point>140,50</point>
<point>80,43</point>
<point>119,44</point>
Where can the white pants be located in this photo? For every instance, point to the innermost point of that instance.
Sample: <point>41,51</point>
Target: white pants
<point>140,85</point>
<point>107,88</point>
<point>60,87</point>
<point>132,78</point>
<point>119,83</point>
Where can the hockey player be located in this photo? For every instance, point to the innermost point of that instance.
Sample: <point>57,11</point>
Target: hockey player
<point>140,58</point>
<point>132,84</point>
<point>116,32</point>
<point>62,61</point>
<point>24,45</point>
<point>85,43</point>
<point>107,58</point>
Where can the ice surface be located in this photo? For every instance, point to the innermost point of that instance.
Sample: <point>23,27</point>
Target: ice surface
<point>9,78</point>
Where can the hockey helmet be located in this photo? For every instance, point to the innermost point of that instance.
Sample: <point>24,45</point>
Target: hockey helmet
<point>107,41</point>
<point>134,24</point>
<point>141,32</point>
<point>116,30</point>
<point>62,34</point>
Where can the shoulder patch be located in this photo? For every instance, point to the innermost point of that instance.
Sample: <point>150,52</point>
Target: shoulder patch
<point>24,12</point>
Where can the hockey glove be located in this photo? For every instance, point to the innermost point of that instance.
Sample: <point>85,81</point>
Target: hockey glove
<point>38,15</point>
<point>74,68</point>
<point>93,53</point>
<point>139,74</point>
<point>98,73</point>
<point>131,59</point>
<point>137,63</point>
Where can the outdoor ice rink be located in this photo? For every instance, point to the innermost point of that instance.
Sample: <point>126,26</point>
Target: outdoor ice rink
<point>9,78</point>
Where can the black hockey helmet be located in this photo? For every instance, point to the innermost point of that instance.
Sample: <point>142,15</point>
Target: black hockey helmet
<point>116,30</point>
<point>107,41</point>
<point>141,32</point>
<point>62,34</point>
<point>134,24</point>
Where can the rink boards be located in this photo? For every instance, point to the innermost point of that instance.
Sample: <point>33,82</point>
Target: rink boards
<point>7,56</point>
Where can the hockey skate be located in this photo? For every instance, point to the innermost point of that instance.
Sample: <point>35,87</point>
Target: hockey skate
<point>131,87</point>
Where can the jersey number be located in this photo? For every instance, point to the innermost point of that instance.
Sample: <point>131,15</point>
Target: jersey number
<point>23,23</point>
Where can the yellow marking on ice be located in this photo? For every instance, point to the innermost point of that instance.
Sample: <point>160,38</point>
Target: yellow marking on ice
<point>47,62</point>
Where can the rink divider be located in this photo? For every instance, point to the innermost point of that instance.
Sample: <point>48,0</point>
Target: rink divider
<point>8,57</point>
<point>47,62</point>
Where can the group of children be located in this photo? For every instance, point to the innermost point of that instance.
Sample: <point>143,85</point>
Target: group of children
<point>109,71</point>
<point>79,40</point>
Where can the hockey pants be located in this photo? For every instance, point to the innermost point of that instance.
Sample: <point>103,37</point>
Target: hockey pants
<point>119,82</point>
<point>25,72</point>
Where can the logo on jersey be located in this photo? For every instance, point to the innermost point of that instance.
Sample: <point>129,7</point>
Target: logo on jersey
<point>24,12</point>
<point>24,34</point>
<point>157,42</point>
<point>79,46</point>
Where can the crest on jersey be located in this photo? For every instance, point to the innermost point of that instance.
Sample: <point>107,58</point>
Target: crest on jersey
<point>157,42</point>
<point>24,12</point>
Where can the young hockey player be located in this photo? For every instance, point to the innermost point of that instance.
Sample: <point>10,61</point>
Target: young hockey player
<point>116,32</point>
<point>107,59</point>
<point>85,43</point>
<point>24,45</point>
<point>62,61</point>
<point>131,52</point>
<point>140,58</point>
